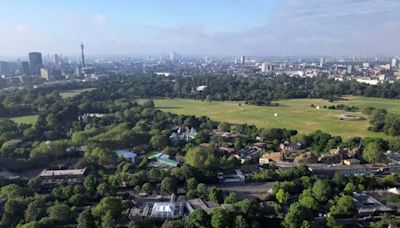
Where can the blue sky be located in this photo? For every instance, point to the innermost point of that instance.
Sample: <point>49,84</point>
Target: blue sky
<point>206,27</point>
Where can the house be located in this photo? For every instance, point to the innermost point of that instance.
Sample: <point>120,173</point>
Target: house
<point>236,177</point>
<point>367,205</point>
<point>68,176</point>
<point>206,206</point>
<point>227,150</point>
<point>128,155</point>
<point>164,160</point>
<point>269,158</point>
<point>159,208</point>
<point>290,147</point>
<point>185,134</point>
<point>247,155</point>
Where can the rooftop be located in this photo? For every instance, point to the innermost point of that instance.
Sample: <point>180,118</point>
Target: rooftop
<point>66,172</point>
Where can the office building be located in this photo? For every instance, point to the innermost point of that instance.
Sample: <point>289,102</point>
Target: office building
<point>35,61</point>
<point>349,69</point>
<point>242,59</point>
<point>395,63</point>
<point>25,67</point>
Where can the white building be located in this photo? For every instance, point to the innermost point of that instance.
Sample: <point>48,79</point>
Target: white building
<point>127,155</point>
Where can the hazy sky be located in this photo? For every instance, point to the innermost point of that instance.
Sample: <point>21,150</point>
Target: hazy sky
<point>229,27</point>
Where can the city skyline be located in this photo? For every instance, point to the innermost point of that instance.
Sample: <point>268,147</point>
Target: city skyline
<point>334,27</point>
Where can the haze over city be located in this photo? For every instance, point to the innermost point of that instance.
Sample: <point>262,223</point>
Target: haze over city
<point>223,27</point>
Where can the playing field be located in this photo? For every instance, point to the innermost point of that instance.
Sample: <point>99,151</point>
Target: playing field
<point>25,119</point>
<point>72,93</point>
<point>291,114</point>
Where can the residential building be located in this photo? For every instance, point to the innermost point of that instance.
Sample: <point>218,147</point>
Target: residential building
<point>248,155</point>
<point>290,147</point>
<point>235,177</point>
<point>68,176</point>
<point>164,160</point>
<point>367,205</point>
<point>128,155</point>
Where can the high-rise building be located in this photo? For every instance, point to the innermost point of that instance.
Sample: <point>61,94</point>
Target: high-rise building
<point>172,56</point>
<point>44,73</point>
<point>83,56</point>
<point>242,59</point>
<point>25,67</point>
<point>264,67</point>
<point>7,67</point>
<point>35,61</point>
<point>349,69</point>
<point>395,63</point>
<point>322,62</point>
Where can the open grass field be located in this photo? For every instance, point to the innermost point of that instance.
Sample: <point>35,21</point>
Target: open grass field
<point>72,93</point>
<point>291,114</point>
<point>25,119</point>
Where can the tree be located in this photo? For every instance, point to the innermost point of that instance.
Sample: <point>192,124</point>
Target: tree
<point>11,191</point>
<point>108,204</point>
<point>201,158</point>
<point>295,216</point>
<point>231,198</point>
<point>197,219</point>
<point>191,183</point>
<point>148,104</point>
<point>345,206</point>
<point>159,141</point>
<point>107,220</point>
<point>13,212</point>
<point>86,220</point>
<point>35,211</point>
<point>168,184</point>
<point>321,190</point>
<point>215,195</point>
<point>60,212</point>
<point>373,153</point>
<point>201,190</point>
<point>219,218</point>
<point>349,188</point>
<point>172,224</point>
<point>240,222</point>
<point>309,202</point>
<point>282,196</point>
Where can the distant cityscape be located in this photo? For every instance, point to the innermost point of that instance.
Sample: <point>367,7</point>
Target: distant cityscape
<point>37,68</point>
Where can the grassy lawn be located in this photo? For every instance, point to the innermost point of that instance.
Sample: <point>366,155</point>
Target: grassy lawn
<point>72,93</point>
<point>25,119</point>
<point>291,114</point>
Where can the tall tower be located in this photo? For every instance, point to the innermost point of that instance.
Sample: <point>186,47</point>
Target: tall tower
<point>83,56</point>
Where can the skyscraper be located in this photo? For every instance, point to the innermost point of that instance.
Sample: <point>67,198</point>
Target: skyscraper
<point>322,62</point>
<point>395,63</point>
<point>172,56</point>
<point>35,61</point>
<point>25,67</point>
<point>83,56</point>
<point>242,59</point>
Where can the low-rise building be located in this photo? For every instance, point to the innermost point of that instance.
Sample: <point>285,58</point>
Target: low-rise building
<point>248,155</point>
<point>164,159</point>
<point>290,147</point>
<point>68,176</point>
<point>235,177</point>
<point>367,205</point>
<point>128,155</point>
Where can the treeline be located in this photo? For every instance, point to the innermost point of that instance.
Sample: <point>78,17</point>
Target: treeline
<point>254,90</point>
<point>383,121</point>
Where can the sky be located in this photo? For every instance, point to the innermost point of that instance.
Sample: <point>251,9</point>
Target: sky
<point>201,27</point>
